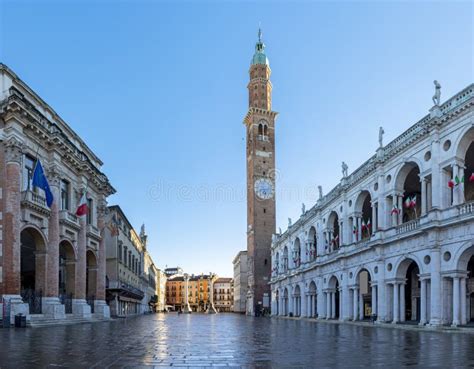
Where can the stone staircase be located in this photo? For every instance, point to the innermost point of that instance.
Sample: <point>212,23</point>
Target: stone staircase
<point>39,320</point>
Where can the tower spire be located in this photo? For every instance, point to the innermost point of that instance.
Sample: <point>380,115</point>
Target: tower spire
<point>259,56</point>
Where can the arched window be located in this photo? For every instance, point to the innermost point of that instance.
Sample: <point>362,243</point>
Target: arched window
<point>260,129</point>
<point>265,130</point>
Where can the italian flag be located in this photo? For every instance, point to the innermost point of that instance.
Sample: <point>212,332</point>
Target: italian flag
<point>355,230</point>
<point>82,207</point>
<point>413,202</point>
<point>408,202</point>
<point>364,226</point>
<point>368,224</point>
<point>395,210</point>
<point>456,181</point>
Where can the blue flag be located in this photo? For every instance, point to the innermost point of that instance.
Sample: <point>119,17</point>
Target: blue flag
<point>40,181</point>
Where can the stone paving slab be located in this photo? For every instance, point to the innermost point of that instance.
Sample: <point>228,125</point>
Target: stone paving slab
<point>230,341</point>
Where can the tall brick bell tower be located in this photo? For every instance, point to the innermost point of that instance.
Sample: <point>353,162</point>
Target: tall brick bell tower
<point>260,123</point>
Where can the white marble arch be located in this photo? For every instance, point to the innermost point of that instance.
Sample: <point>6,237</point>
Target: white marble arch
<point>402,172</point>
<point>463,141</point>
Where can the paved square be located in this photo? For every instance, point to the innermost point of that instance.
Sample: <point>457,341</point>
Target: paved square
<point>230,340</point>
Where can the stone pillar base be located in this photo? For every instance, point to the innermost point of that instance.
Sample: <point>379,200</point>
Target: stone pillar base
<point>52,308</point>
<point>212,309</point>
<point>80,308</point>
<point>435,323</point>
<point>17,306</point>
<point>102,309</point>
<point>187,309</point>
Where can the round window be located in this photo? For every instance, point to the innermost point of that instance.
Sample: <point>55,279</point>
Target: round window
<point>389,178</point>
<point>389,267</point>
<point>447,145</point>
<point>447,256</point>
<point>427,155</point>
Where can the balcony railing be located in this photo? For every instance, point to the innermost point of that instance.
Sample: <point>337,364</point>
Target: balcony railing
<point>34,200</point>
<point>467,208</point>
<point>126,289</point>
<point>93,230</point>
<point>408,226</point>
<point>66,216</point>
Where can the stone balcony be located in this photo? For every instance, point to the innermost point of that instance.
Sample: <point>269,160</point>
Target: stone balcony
<point>34,201</point>
<point>408,226</point>
<point>93,231</point>
<point>68,218</point>
<point>466,209</point>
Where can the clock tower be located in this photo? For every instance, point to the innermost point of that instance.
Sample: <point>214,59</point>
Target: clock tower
<point>260,126</point>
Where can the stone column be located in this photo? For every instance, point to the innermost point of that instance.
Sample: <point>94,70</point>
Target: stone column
<point>396,305</point>
<point>381,293</point>
<point>361,305</point>
<point>402,302</point>
<point>463,301</point>
<point>423,302</point>
<point>52,306</point>
<point>424,197</point>
<point>320,309</point>
<point>374,218</point>
<point>100,305</point>
<point>455,189</point>
<point>455,302</point>
<point>345,302</point>
<point>212,309</point>
<point>394,215</point>
<point>333,305</point>
<point>374,299</point>
<point>304,305</point>
<point>11,229</point>
<point>187,308</point>
<point>359,228</point>
<point>461,198</point>
<point>400,209</point>
<point>435,292</point>
<point>328,305</point>
<point>355,303</point>
<point>79,305</point>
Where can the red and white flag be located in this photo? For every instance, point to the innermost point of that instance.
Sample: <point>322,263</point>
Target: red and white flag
<point>82,207</point>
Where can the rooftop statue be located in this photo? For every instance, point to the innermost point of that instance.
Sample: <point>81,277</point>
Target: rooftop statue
<point>381,133</point>
<point>344,169</point>
<point>320,188</point>
<point>437,95</point>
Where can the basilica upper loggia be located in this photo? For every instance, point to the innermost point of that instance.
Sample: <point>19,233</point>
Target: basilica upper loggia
<point>394,240</point>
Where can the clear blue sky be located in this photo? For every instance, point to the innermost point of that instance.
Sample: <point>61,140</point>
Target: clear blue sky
<point>158,91</point>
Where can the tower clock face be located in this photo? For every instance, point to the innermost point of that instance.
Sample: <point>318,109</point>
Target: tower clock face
<point>264,188</point>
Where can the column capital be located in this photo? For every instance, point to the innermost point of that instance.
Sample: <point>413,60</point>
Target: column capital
<point>14,150</point>
<point>54,175</point>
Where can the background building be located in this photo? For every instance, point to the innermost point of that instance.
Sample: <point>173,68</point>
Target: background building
<point>173,271</point>
<point>224,294</point>
<point>174,292</point>
<point>131,272</point>
<point>240,281</point>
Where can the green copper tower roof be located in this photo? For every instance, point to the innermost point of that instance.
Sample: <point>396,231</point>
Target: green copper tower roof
<point>259,57</point>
